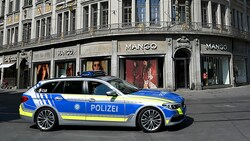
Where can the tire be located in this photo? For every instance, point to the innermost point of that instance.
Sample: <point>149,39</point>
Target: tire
<point>46,119</point>
<point>150,120</point>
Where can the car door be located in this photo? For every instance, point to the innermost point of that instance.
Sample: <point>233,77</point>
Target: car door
<point>69,100</point>
<point>100,106</point>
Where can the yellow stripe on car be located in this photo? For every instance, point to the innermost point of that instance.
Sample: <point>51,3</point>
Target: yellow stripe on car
<point>94,118</point>
<point>24,113</point>
<point>180,111</point>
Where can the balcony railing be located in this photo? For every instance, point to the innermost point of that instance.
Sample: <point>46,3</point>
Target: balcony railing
<point>133,28</point>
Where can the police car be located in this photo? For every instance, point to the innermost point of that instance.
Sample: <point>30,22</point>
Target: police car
<point>98,100</point>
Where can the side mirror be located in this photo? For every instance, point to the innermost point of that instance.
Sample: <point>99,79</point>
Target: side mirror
<point>111,93</point>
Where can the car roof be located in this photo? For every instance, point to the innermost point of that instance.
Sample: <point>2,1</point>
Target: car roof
<point>104,78</point>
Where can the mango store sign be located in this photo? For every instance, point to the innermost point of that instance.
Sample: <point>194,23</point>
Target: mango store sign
<point>146,46</point>
<point>216,47</point>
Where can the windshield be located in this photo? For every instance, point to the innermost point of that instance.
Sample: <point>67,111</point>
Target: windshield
<point>123,86</point>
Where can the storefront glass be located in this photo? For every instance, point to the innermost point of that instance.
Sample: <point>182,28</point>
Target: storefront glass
<point>96,64</point>
<point>41,72</point>
<point>240,71</point>
<point>65,69</point>
<point>144,72</point>
<point>10,76</point>
<point>215,70</point>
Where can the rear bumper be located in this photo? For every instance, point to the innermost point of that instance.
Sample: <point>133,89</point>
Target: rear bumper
<point>25,115</point>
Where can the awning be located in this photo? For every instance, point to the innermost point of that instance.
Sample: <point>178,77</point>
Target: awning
<point>6,65</point>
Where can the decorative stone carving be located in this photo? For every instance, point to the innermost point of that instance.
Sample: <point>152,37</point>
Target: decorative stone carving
<point>183,42</point>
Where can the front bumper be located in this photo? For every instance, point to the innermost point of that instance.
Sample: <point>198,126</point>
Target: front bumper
<point>177,117</point>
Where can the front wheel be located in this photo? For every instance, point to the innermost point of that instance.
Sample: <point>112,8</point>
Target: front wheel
<point>150,120</point>
<point>46,119</point>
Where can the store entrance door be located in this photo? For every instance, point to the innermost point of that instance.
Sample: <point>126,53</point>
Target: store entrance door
<point>182,72</point>
<point>24,75</point>
<point>182,61</point>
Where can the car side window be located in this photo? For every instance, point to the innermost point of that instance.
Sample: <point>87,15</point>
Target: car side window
<point>97,88</point>
<point>47,87</point>
<point>73,87</point>
<point>59,88</point>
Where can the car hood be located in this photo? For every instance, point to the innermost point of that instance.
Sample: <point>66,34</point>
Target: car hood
<point>160,94</point>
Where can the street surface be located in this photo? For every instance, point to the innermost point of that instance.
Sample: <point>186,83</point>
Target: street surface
<point>213,115</point>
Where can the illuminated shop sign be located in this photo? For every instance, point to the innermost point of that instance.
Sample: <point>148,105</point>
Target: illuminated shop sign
<point>216,47</point>
<point>146,46</point>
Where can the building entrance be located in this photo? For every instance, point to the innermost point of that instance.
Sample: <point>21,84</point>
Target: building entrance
<point>182,61</point>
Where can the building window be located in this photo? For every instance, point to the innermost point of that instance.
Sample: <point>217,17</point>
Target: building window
<point>37,29</point>
<point>214,14</point>
<point>204,5</point>
<point>8,37</point>
<point>233,18</point>
<point>2,9</point>
<point>216,70</point>
<point>27,2</point>
<point>65,69</point>
<point>48,27</point>
<point>223,16</point>
<point>16,36</point>
<point>59,24</point>
<point>66,23</point>
<point>154,12</point>
<point>248,23</point>
<point>127,12</point>
<point>85,18</point>
<point>104,15</point>
<point>26,32</point>
<point>1,38</point>
<point>73,21</point>
<point>242,22</point>
<point>42,28</point>
<point>141,11</point>
<point>181,11</point>
<point>11,7</point>
<point>238,20</point>
<point>17,5</point>
<point>94,16</point>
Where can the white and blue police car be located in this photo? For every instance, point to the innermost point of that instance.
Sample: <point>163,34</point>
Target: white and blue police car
<point>98,100</point>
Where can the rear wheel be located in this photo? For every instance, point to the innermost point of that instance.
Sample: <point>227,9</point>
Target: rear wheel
<point>46,119</point>
<point>150,120</point>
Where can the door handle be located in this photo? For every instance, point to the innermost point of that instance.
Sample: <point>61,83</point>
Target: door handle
<point>58,98</point>
<point>91,100</point>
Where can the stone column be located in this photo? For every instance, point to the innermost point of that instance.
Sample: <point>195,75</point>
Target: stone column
<point>114,59</point>
<point>18,61</point>
<point>197,64</point>
<point>133,12</point>
<point>209,12</point>
<point>78,63</point>
<point>169,66</point>
<point>52,63</point>
<point>147,7</point>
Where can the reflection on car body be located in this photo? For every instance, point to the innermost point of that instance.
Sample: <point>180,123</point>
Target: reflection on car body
<point>99,100</point>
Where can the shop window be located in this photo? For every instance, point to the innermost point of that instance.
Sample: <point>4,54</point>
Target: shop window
<point>240,75</point>
<point>96,64</point>
<point>65,69</point>
<point>215,70</point>
<point>144,72</point>
<point>41,72</point>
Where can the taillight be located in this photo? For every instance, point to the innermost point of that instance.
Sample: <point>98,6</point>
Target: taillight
<point>24,99</point>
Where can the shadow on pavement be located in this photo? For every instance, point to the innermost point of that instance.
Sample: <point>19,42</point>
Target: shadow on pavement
<point>186,123</point>
<point>9,105</point>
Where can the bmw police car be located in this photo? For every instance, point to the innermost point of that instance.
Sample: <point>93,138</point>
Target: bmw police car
<point>94,99</point>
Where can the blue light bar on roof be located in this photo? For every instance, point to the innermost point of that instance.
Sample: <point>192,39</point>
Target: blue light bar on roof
<point>93,73</point>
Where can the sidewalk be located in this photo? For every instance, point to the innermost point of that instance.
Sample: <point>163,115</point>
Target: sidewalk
<point>187,94</point>
<point>216,93</point>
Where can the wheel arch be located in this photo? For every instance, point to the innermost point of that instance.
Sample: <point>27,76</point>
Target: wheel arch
<point>50,107</point>
<point>144,107</point>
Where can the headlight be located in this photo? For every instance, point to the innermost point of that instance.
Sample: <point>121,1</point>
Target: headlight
<point>172,106</point>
